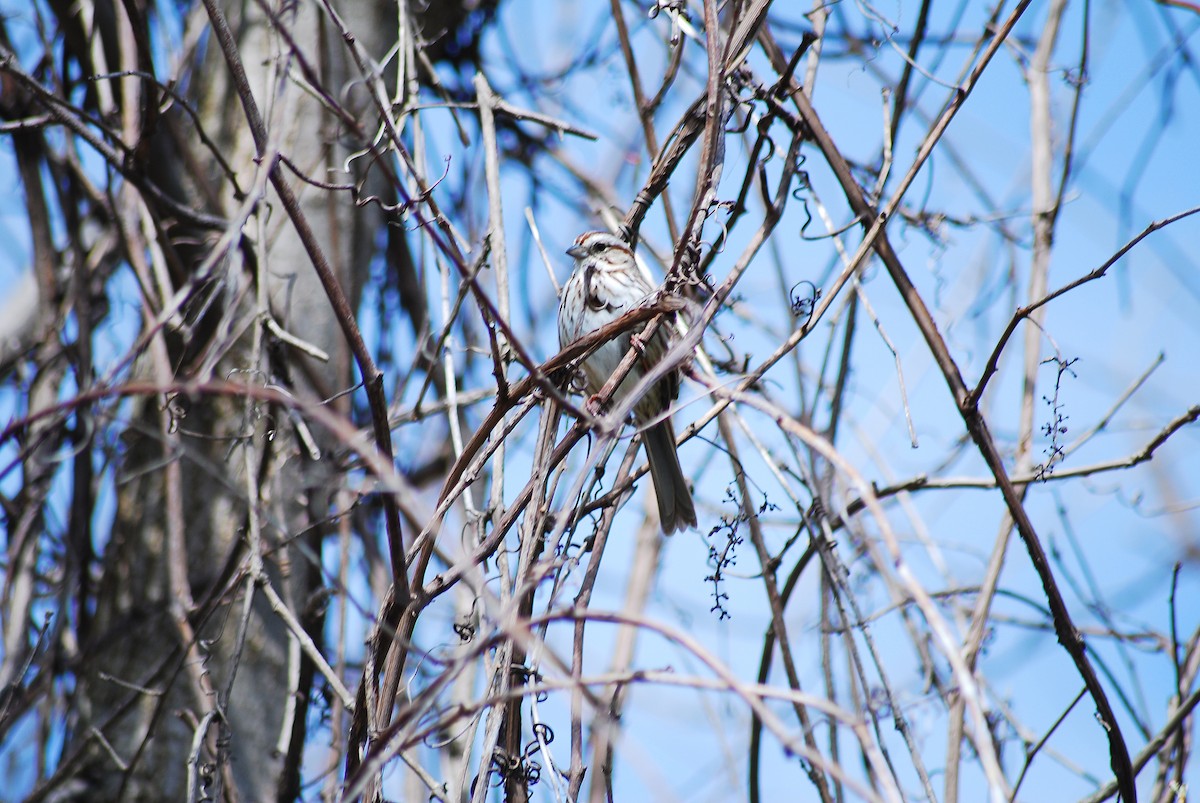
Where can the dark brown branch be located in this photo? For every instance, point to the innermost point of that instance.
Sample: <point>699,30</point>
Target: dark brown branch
<point>1024,312</point>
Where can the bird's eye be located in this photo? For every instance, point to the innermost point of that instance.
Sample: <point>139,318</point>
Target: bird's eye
<point>598,247</point>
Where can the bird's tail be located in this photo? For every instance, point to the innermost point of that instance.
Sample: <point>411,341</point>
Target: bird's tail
<point>675,508</point>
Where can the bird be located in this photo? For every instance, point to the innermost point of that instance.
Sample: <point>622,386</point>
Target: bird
<point>605,284</point>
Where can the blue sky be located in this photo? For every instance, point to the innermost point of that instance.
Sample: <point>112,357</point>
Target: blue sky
<point>1135,163</point>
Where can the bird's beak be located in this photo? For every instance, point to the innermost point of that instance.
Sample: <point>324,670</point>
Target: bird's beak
<point>576,251</point>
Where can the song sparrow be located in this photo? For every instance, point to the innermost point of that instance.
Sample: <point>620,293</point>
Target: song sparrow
<point>605,284</point>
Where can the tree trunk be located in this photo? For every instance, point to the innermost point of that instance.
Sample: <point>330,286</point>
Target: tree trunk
<point>185,684</point>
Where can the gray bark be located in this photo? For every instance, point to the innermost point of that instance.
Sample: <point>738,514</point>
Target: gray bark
<point>144,687</point>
